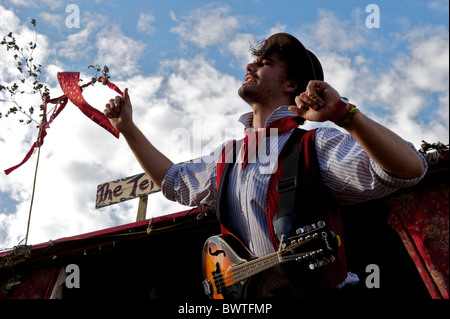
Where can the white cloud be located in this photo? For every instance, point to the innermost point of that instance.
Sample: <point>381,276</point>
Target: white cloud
<point>76,46</point>
<point>427,66</point>
<point>119,52</point>
<point>277,29</point>
<point>329,33</point>
<point>53,4</point>
<point>144,24</point>
<point>23,3</point>
<point>189,94</point>
<point>23,35</point>
<point>55,20</point>
<point>333,33</point>
<point>81,43</point>
<point>9,20</point>
<point>411,82</point>
<point>239,47</point>
<point>439,5</point>
<point>207,26</point>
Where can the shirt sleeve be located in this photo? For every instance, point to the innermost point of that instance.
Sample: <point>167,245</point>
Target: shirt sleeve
<point>350,173</point>
<point>192,184</point>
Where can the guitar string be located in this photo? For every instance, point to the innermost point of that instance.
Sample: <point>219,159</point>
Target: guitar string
<point>234,274</point>
<point>240,272</point>
<point>228,277</point>
<point>231,275</point>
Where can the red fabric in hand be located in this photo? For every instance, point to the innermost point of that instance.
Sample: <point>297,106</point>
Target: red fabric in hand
<point>69,84</point>
<point>73,92</point>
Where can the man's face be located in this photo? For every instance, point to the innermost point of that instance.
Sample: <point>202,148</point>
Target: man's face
<point>264,80</point>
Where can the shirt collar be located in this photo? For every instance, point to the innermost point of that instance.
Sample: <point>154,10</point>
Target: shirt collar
<point>283,111</point>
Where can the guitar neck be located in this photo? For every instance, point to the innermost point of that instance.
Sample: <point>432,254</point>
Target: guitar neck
<point>253,267</point>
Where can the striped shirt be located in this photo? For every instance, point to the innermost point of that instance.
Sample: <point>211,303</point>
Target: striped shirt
<point>345,168</point>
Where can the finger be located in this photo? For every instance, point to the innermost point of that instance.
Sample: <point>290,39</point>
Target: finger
<point>107,111</point>
<point>306,98</point>
<point>300,104</point>
<point>108,114</point>
<point>314,89</point>
<point>108,107</point>
<point>308,102</point>
<point>298,111</point>
<point>118,101</point>
<point>125,95</point>
<point>314,97</point>
<point>111,111</point>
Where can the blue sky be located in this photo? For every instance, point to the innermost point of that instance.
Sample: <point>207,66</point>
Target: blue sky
<point>183,62</point>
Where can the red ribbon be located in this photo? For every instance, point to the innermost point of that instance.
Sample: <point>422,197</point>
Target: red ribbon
<point>73,92</point>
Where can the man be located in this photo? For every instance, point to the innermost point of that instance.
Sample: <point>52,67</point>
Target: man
<point>284,86</point>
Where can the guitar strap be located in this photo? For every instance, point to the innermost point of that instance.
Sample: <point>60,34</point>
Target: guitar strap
<point>287,187</point>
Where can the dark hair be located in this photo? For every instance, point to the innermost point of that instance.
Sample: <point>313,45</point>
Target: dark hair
<point>301,64</point>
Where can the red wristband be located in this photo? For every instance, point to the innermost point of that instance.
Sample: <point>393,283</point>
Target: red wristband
<point>339,111</point>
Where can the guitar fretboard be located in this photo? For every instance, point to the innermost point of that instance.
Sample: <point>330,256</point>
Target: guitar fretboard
<point>253,267</point>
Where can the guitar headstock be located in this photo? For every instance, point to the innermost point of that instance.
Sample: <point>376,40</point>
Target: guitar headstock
<point>315,244</point>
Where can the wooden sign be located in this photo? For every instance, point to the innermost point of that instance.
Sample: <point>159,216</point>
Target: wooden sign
<point>126,188</point>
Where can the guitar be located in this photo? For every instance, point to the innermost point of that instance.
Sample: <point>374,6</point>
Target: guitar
<point>228,266</point>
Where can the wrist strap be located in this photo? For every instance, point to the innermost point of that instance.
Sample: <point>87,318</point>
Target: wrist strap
<point>343,112</point>
<point>348,117</point>
<point>340,111</point>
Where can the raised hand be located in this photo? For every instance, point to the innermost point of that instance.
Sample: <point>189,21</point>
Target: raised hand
<point>317,103</point>
<point>120,112</point>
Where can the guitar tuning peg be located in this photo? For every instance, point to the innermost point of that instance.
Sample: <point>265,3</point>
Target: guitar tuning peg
<point>315,265</point>
<point>325,261</point>
<point>307,228</point>
<point>318,264</point>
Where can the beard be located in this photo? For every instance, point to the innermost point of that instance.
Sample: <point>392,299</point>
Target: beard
<point>257,93</point>
<point>246,94</point>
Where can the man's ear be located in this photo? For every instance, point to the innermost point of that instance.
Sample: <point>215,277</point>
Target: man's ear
<point>291,86</point>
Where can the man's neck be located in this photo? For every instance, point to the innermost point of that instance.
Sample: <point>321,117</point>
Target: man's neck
<point>261,114</point>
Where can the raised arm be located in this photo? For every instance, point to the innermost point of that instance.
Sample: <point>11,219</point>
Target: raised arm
<point>120,114</point>
<point>320,103</point>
